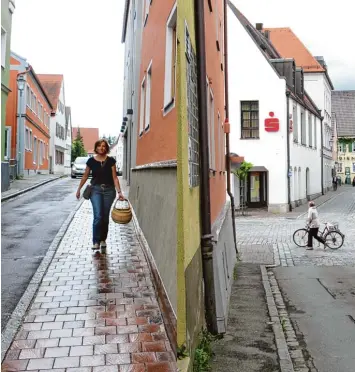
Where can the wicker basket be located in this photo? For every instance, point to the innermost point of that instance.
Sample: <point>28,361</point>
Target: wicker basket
<point>121,212</point>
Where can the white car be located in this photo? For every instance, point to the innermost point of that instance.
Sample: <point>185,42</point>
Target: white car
<point>78,167</point>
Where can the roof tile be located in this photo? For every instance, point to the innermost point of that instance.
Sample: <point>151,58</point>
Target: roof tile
<point>52,84</point>
<point>343,106</point>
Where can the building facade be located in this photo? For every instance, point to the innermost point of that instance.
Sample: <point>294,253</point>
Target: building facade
<point>7,10</point>
<point>274,123</point>
<point>54,86</point>
<point>28,119</point>
<point>68,136</point>
<point>318,85</point>
<point>343,108</point>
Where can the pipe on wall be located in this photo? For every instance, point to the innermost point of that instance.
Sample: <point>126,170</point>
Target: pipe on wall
<point>321,153</point>
<point>228,166</point>
<point>288,151</point>
<point>205,202</point>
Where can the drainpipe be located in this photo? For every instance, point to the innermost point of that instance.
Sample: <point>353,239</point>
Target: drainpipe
<point>321,153</point>
<point>205,208</point>
<point>288,151</point>
<point>227,127</point>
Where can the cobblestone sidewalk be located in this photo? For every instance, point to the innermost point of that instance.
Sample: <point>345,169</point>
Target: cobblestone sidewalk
<point>94,312</point>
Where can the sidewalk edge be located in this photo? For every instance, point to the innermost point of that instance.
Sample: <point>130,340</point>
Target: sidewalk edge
<point>285,360</point>
<point>18,193</point>
<point>168,315</point>
<point>15,321</point>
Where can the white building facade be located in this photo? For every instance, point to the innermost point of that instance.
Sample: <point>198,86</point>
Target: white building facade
<point>68,139</point>
<point>274,124</point>
<point>320,87</point>
<point>132,37</point>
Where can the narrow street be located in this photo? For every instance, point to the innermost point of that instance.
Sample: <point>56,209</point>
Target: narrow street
<point>317,286</point>
<point>29,225</point>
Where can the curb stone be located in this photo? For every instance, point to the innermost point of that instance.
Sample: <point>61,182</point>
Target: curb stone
<point>286,364</point>
<point>282,319</point>
<point>19,313</point>
<point>18,193</point>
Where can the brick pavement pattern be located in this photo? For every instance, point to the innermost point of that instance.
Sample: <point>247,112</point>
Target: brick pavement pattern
<point>94,312</point>
<point>256,235</point>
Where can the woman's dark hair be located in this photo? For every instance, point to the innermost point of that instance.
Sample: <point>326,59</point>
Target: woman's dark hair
<point>98,143</point>
<point>312,204</point>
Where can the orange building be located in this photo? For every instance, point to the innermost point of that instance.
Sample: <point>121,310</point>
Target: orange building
<point>157,137</point>
<point>28,115</point>
<point>214,31</point>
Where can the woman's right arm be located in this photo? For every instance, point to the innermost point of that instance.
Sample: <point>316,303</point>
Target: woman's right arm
<point>83,180</point>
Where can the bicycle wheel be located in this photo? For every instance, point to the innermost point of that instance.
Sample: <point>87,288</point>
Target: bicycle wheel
<point>300,237</point>
<point>334,239</point>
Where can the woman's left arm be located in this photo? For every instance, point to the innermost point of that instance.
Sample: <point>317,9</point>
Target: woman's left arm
<point>117,182</point>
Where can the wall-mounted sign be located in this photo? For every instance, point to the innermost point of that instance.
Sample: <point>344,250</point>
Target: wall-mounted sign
<point>272,124</point>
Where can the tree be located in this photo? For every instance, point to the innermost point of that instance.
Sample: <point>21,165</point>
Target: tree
<point>242,174</point>
<point>77,147</point>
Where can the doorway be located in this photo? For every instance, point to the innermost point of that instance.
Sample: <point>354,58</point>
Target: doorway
<point>257,190</point>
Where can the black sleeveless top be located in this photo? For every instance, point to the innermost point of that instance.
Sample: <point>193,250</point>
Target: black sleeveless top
<point>101,171</point>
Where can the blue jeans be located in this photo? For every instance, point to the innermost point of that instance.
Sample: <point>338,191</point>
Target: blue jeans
<point>101,199</point>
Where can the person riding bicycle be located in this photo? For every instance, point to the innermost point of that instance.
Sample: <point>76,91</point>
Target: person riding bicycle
<point>313,224</point>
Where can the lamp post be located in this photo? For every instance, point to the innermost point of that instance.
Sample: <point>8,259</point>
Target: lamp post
<point>21,83</point>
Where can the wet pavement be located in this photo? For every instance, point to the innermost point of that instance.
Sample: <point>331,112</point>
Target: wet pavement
<point>94,311</point>
<point>29,223</point>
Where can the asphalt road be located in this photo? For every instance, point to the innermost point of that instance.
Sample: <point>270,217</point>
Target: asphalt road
<point>29,223</point>
<point>321,305</point>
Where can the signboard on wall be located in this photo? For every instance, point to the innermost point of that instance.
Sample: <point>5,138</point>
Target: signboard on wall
<point>272,124</point>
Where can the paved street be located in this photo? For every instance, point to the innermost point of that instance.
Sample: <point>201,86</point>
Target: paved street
<point>29,223</point>
<point>317,286</point>
<point>94,312</point>
<point>268,238</point>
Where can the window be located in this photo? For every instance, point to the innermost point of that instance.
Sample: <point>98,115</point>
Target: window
<point>47,151</point>
<point>353,167</point>
<point>28,96</point>
<point>30,143</point>
<point>341,147</point>
<point>249,119</point>
<point>315,131</point>
<point>211,128</point>
<point>142,105</point>
<point>192,113</point>
<point>148,97</point>
<point>27,139</point>
<point>310,130</point>
<point>35,150</point>
<point>220,143</point>
<point>303,129</point>
<point>340,168</point>
<point>7,153</point>
<point>295,124</point>
<point>170,61</point>
<point>3,47</point>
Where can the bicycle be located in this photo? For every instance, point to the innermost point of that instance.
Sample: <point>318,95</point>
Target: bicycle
<point>331,235</point>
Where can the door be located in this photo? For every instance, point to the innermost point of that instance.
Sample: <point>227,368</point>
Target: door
<point>257,190</point>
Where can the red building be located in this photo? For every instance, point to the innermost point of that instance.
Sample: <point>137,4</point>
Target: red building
<point>30,111</point>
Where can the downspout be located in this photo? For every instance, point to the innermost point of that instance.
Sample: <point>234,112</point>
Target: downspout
<point>321,153</point>
<point>227,126</point>
<point>288,151</point>
<point>205,203</point>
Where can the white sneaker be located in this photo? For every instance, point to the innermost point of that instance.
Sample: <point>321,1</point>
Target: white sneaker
<point>103,244</point>
<point>95,246</point>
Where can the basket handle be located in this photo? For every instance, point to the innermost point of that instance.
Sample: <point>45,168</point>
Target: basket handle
<point>125,199</point>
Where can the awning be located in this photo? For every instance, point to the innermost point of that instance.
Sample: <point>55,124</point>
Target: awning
<point>258,168</point>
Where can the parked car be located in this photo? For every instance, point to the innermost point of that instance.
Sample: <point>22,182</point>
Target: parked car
<point>78,167</point>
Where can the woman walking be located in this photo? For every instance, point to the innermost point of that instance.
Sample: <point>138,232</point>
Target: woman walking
<point>104,185</point>
<point>313,223</point>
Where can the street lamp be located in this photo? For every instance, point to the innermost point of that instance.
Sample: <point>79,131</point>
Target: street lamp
<point>21,83</point>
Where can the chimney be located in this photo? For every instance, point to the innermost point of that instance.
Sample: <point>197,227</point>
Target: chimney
<point>299,82</point>
<point>267,34</point>
<point>286,67</point>
<point>259,26</point>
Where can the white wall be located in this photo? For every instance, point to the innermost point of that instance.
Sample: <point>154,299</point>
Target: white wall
<point>67,156</point>
<point>251,77</point>
<point>57,143</point>
<point>305,156</point>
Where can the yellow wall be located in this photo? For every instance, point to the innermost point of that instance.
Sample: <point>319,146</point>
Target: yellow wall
<point>188,199</point>
<point>347,159</point>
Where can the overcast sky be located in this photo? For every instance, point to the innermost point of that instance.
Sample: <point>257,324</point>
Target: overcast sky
<point>81,39</point>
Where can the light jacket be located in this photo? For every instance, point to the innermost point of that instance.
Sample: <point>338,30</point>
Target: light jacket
<point>313,219</point>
